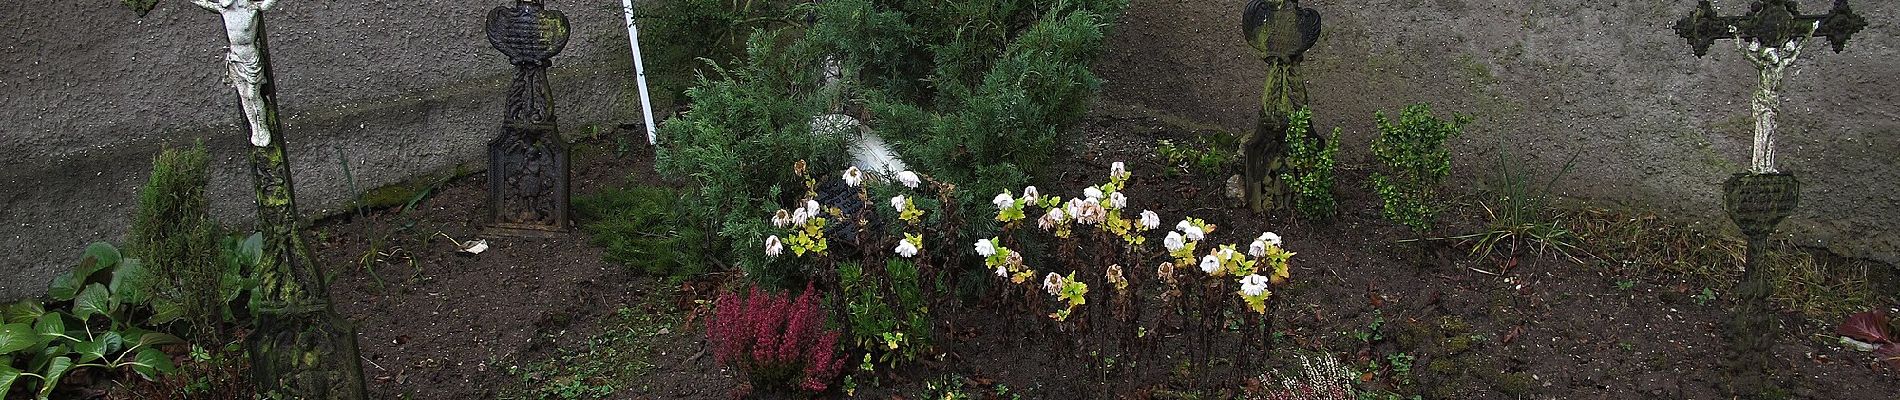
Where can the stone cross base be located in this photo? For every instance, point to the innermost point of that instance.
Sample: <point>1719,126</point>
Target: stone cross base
<point>528,181</point>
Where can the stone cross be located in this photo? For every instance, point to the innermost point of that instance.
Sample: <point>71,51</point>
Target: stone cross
<point>1771,35</point>
<point>527,163</point>
<point>1281,31</point>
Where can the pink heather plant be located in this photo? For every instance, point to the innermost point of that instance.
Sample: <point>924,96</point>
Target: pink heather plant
<point>778,343</point>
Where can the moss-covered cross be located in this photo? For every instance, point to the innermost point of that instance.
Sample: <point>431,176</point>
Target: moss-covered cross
<point>1280,31</point>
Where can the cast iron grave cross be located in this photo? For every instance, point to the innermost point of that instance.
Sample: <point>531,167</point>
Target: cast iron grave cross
<point>527,163</point>
<point>1771,36</point>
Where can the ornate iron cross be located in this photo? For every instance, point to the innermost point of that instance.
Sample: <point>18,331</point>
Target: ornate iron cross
<point>527,163</point>
<point>1770,23</point>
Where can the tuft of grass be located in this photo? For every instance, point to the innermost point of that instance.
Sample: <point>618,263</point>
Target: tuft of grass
<point>641,228</point>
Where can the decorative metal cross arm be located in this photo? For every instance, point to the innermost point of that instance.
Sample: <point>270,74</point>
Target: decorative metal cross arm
<point>1769,22</point>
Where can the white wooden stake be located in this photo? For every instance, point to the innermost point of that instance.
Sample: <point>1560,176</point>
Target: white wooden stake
<point>639,70</point>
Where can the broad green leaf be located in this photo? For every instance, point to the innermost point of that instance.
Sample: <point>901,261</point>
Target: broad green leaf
<point>54,371</point>
<point>16,337</point>
<point>22,312</point>
<point>7,376</point>
<point>165,311</point>
<point>150,339</point>
<point>64,287</point>
<point>252,250</point>
<point>95,300</point>
<point>105,256</point>
<point>154,362</point>
<point>50,326</point>
<point>130,282</point>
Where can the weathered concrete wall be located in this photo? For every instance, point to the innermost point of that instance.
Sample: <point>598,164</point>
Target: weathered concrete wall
<point>1655,126</point>
<point>88,93</point>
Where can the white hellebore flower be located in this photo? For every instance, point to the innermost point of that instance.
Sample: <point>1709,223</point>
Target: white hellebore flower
<point>853,176</point>
<point>1270,238</point>
<point>1150,220</point>
<point>1258,249</point>
<point>1052,284</point>
<point>773,247</point>
<point>1117,200</point>
<point>1253,285</point>
<point>1194,233</point>
<point>782,218</point>
<point>799,216</point>
<point>1183,225</point>
<point>812,208</point>
<point>906,249</point>
<point>1174,241</point>
<point>898,202</point>
<point>1092,193</point>
<point>909,179</point>
<point>1117,170</point>
<point>1004,201</point>
<point>1002,272</point>
<point>1209,264</point>
<point>985,248</point>
<point>1030,194</point>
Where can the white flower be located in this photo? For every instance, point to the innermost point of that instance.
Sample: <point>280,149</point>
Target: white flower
<point>898,203</point>
<point>1052,284</point>
<point>1194,233</point>
<point>1050,219</point>
<point>1270,238</point>
<point>1074,207</point>
<point>782,218</point>
<point>1001,272</point>
<point>1118,170</point>
<point>1257,249</point>
<point>906,249</point>
<point>1174,241</point>
<point>1183,225</point>
<point>1226,253</point>
<point>773,247</point>
<point>1117,200</point>
<point>909,179</point>
<point>853,176</point>
<point>1150,220</point>
<point>1209,264</point>
<point>812,208</point>
<point>1004,201</point>
<point>1092,193</point>
<point>1253,285</point>
<point>985,247</point>
<point>1030,194</point>
<point>799,216</point>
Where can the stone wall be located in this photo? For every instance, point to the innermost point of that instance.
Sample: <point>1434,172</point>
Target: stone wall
<point>1654,127</point>
<point>394,89</point>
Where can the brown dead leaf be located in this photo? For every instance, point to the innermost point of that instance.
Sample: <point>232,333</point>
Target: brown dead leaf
<point>1512,335</point>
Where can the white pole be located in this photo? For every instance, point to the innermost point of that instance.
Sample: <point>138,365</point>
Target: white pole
<point>639,70</point>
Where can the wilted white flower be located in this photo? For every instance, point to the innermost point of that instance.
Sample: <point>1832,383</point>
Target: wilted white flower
<point>1166,270</point>
<point>1118,170</point>
<point>1074,208</point>
<point>1194,233</point>
<point>1004,201</point>
<point>1183,225</point>
<point>1257,249</point>
<point>1001,272</point>
<point>1117,200</point>
<point>1150,220</point>
<point>1114,275</point>
<point>1253,285</point>
<point>1050,219</point>
<point>1270,238</point>
<point>1226,253</point>
<point>813,209</point>
<point>799,216</point>
<point>909,179</point>
<point>1090,212</point>
<point>906,249</point>
<point>1014,259</point>
<point>1174,241</point>
<point>853,176</point>
<point>773,247</point>
<point>782,218</point>
<point>1052,284</point>
<point>1030,194</point>
<point>1092,193</point>
<point>1209,264</point>
<point>898,203</point>
<point>985,247</point>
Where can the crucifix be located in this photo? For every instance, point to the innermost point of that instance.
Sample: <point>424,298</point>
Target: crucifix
<point>1281,31</point>
<point>1771,36</point>
<point>527,163</point>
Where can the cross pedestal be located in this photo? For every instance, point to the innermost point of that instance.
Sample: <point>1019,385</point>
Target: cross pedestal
<point>527,163</point>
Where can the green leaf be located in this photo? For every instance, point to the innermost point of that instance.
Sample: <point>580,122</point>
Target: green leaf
<point>154,362</point>
<point>131,283</point>
<point>104,256</point>
<point>22,312</point>
<point>54,371</point>
<point>104,345</point>
<point>16,337</point>
<point>140,6</point>
<point>50,326</point>
<point>165,312</point>
<point>7,376</point>
<point>64,287</point>
<point>94,300</point>
<point>251,252</point>
<point>151,339</point>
